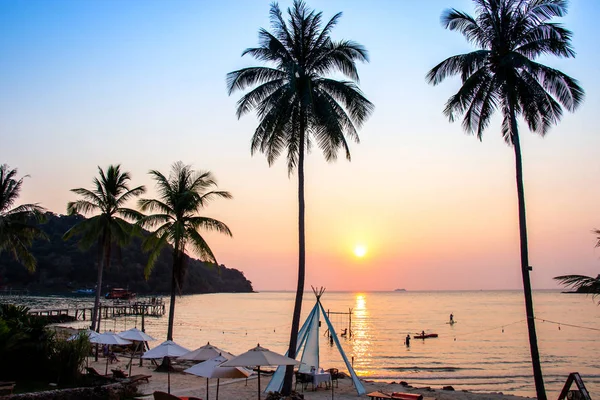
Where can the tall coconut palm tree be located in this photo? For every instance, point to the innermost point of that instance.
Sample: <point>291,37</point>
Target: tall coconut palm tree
<point>501,73</point>
<point>109,224</point>
<point>182,197</point>
<point>17,231</point>
<point>298,104</point>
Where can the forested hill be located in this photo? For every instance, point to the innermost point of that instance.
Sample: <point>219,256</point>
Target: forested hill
<point>64,267</point>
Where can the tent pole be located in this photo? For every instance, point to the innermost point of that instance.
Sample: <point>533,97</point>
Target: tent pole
<point>206,388</point>
<point>217,389</point>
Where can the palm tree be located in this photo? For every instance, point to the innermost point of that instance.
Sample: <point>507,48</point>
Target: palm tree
<point>582,283</point>
<point>502,73</point>
<point>110,221</point>
<point>16,230</point>
<point>298,104</point>
<point>181,198</point>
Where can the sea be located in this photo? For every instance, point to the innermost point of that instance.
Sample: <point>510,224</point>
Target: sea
<point>486,350</point>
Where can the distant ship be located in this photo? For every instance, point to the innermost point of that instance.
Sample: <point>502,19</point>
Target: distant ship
<point>399,290</point>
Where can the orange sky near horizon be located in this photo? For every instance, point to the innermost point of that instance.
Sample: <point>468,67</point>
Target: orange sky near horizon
<point>435,208</point>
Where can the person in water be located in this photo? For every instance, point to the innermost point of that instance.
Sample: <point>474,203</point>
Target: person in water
<point>407,341</point>
<point>451,318</point>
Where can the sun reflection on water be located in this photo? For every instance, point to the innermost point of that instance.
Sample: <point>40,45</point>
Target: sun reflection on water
<point>361,334</point>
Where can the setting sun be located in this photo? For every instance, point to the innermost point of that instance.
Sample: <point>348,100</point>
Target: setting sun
<point>360,251</point>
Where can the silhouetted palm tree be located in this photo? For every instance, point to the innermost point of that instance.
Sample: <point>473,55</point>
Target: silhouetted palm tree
<point>502,73</point>
<point>17,231</point>
<point>109,224</point>
<point>298,104</point>
<point>581,283</point>
<point>176,222</point>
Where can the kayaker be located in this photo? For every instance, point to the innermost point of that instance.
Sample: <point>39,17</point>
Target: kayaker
<point>451,318</point>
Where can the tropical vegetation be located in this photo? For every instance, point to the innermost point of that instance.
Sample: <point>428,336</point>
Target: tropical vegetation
<point>18,228</point>
<point>63,267</point>
<point>109,224</point>
<point>299,105</point>
<point>502,74</point>
<point>176,221</point>
<point>26,344</point>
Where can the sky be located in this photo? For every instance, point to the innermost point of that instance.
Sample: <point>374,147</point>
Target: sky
<point>142,83</point>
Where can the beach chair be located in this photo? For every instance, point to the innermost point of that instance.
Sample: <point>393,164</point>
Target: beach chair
<point>166,396</point>
<point>335,373</point>
<point>92,372</point>
<point>117,373</point>
<point>6,388</point>
<point>140,377</point>
<point>407,396</point>
<point>303,380</point>
<point>379,396</point>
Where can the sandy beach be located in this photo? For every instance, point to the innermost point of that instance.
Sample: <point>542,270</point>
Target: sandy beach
<point>238,389</point>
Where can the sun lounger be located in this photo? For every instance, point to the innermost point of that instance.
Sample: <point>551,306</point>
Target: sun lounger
<point>6,387</point>
<point>395,395</point>
<point>407,396</point>
<point>379,396</point>
<point>92,372</point>
<point>117,373</point>
<point>140,377</point>
<point>166,396</point>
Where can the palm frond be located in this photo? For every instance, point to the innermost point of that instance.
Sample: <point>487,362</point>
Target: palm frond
<point>246,77</point>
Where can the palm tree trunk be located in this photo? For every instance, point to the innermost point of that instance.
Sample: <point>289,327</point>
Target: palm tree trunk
<point>176,259</point>
<point>535,355</point>
<point>95,313</point>
<point>289,371</point>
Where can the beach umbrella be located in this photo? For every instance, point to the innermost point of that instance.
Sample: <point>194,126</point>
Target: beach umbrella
<point>212,368</point>
<point>206,352</point>
<point>166,349</point>
<point>135,335</point>
<point>90,334</point>
<point>259,356</point>
<point>109,338</point>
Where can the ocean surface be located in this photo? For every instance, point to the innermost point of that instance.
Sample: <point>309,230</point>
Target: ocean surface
<point>487,349</point>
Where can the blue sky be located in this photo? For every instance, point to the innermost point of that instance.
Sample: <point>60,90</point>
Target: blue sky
<point>142,83</point>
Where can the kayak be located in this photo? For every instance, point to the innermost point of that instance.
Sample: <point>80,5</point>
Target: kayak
<point>426,336</point>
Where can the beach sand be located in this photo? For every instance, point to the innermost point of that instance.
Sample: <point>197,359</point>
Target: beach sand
<point>238,389</point>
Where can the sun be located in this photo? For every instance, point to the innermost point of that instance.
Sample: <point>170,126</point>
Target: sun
<point>360,251</point>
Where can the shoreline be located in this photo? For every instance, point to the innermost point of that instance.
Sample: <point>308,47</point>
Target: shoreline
<point>242,389</point>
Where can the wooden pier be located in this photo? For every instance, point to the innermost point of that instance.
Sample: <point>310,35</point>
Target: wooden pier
<point>108,311</point>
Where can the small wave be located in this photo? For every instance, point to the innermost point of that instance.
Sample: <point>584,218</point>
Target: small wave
<point>439,369</point>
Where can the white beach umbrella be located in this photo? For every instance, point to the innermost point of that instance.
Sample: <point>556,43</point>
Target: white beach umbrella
<point>90,334</point>
<point>212,368</point>
<point>259,356</point>
<point>109,338</point>
<point>166,349</point>
<point>206,352</point>
<point>135,335</point>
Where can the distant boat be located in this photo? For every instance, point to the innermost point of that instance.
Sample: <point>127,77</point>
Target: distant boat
<point>84,291</point>
<point>120,294</point>
<point>426,336</point>
<point>399,290</point>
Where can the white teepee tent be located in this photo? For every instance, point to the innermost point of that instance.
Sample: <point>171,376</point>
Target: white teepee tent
<point>308,344</point>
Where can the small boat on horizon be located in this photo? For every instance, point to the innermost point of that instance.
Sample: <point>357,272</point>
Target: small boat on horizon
<point>425,336</point>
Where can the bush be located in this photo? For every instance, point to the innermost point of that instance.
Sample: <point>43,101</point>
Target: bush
<point>30,352</point>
